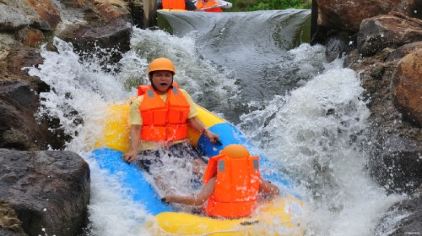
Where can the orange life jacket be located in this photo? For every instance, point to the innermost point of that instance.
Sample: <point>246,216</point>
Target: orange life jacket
<point>174,4</point>
<point>237,186</point>
<point>200,4</point>
<point>163,121</point>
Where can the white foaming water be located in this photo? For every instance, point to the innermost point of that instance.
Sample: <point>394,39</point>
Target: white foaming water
<point>318,133</point>
<point>201,78</point>
<point>80,93</point>
<point>111,211</point>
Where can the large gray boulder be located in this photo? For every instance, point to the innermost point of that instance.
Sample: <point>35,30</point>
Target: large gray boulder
<point>48,190</point>
<point>19,102</point>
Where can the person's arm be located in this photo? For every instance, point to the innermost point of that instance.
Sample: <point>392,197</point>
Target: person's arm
<point>134,143</point>
<point>268,189</point>
<point>198,125</point>
<point>194,122</point>
<point>198,200</point>
<point>135,124</point>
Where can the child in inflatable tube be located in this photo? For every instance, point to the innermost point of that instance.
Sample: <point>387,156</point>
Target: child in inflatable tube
<point>232,185</point>
<point>159,119</point>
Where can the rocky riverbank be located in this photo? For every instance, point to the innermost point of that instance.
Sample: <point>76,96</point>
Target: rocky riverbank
<point>48,191</point>
<point>382,41</point>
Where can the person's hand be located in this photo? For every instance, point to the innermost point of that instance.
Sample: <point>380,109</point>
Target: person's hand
<point>130,156</point>
<point>211,136</point>
<point>167,199</point>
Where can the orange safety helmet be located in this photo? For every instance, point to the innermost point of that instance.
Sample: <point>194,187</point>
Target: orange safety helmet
<point>161,63</point>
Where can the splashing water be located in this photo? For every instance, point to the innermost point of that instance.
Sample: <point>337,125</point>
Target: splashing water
<point>80,93</point>
<point>201,78</point>
<point>111,211</point>
<point>316,128</point>
<point>317,131</point>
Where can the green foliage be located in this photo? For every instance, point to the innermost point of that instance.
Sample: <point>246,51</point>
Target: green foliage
<point>253,5</point>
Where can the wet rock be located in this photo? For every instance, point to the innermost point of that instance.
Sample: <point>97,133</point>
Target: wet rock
<point>407,87</point>
<point>48,190</point>
<point>336,46</point>
<point>116,34</point>
<point>136,8</point>
<point>12,18</point>
<point>397,163</point>
<point>7,42</point>
<point>48,16</point>
<point>30,37</point>
<point>347,15</point>
<point>42,14</point>
<point>384,31</point>
<point>74,3</point>
<point>377,71</point>
<point>374,65</point>
<point>99,24</point>
<point>113,35</point>
<point>412,8</point>
<point>18,127</point>
<point>95,12</point>
<point>402,51</point>
<point>408,213</point>
<point>10,225</point>
<point>20,58</point>
<point>102,24</point>
<point>396,144</point>
<point>111,10</point>
<point>19,103</point>
<point>4,232</point>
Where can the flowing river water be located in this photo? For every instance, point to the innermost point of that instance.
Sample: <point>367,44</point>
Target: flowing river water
<point>253,70</point>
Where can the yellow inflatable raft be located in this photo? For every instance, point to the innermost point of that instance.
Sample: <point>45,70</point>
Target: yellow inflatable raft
<point>278,217</point>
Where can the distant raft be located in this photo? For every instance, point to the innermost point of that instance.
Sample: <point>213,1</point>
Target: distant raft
<point>278,217</point>
<point>212,5</point>
<point>199,5</point>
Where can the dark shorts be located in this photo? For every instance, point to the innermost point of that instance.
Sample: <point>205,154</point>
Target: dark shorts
<point>184,150</point>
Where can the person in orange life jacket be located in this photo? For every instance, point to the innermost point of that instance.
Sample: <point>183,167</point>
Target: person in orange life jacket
<point>176,5</point>
<point>159,119</point>
<point>207,5</point>
<point>232,185</point>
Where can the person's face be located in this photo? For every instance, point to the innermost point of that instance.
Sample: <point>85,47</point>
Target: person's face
<point>162,80</point>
